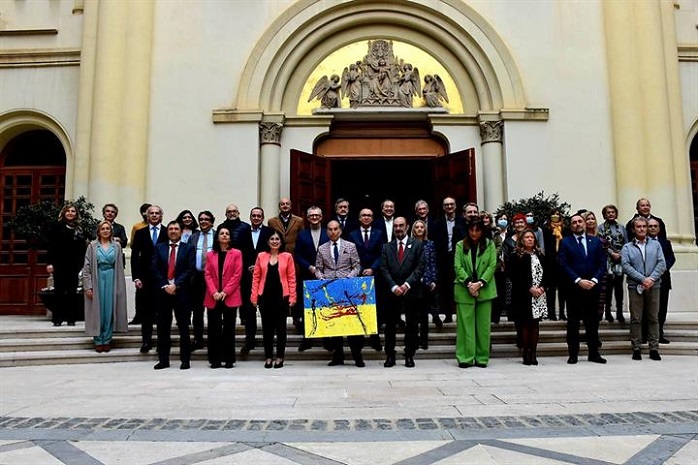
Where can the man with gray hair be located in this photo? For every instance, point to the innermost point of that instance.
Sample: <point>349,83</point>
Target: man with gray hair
<point>643,262</point>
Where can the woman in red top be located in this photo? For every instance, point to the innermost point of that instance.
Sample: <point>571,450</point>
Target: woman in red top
<point>222,273</point>
<point>274,289</point>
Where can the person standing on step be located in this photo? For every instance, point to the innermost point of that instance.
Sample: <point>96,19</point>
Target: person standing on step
<point>202,240</point>
<point>654,231</point>
<point>614,236</point>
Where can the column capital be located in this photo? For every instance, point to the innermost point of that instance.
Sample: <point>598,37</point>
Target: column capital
<point>270,133</point>
<point>492,131</point>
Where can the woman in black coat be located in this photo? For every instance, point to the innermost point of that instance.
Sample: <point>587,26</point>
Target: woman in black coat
<point>527,271</point>
<point>67,244</point>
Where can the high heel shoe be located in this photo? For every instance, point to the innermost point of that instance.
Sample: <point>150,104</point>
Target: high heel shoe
<point>268,363</point>
<point>279,364</point>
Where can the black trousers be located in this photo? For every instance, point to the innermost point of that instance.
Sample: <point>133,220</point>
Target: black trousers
<point>394,308</point>
<point>65,287</point>
<point>168,305</point>
<point>221,334</point>
<point>196,293</point>
<point>583,305</point>
<point>147,299</point>
<point>274,313</point>
<point>614,287</point>
<point>355,343</point>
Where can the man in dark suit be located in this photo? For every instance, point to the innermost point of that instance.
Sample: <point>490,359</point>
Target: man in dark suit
<point>583,262</point>
<point>338,258</point>
<point>402,267</point>
<point>369,244</point>
<point>173,264</point>
<point>442,233</point>
<point>258,242</point>
<point>202,241</point>
<point>643,209</point>
<point>384,223</point>
<point>142,249</point>
<point>305,255</point>
<point>110,211</point>
<point>346,221</point>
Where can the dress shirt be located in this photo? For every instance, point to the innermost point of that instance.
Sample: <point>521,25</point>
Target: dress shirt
<point>255,236</point>
<point>315,234</point>
<point>157,228</point>
<point>641,245</point>
<point>449,229</point>
<point>583,242</point>
<point>389,227</point>
<point>169,245</point>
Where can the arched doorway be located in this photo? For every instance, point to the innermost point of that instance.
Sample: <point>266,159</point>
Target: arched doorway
<point>32,169</point>
<point>693,156</point>
<point>367,162</point>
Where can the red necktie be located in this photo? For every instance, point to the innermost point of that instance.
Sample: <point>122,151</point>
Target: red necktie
<point>171,262</point>
<point>400,252</point>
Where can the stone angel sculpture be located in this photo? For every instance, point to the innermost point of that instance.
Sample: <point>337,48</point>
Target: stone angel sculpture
<point>434,91</point>
<point>409,84</point>
<point>327,91</point>
<point>351,83</point>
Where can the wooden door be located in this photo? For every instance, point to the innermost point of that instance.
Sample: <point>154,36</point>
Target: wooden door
<point>310,180</point>
<point>454,176</point>
<point>22,269</point>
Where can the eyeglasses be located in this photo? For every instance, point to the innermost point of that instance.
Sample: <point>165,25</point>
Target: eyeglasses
<point>314,215</point>
<point>201,220</point>
<point>653,226</point>
<point>366,214</point>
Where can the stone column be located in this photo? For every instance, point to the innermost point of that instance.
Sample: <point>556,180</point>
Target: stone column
<point>491,139</point>
<point>270,165</point>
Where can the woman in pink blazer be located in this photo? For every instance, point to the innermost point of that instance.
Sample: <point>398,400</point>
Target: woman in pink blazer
<point>222,272</point>
<point>274,289</point>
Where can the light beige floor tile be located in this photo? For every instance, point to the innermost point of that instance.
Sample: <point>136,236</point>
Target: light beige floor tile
<point>614,449</point>
<point>369,453</point>
<point>141,452</point>
<point>249,457</point>
<point>30,455</point>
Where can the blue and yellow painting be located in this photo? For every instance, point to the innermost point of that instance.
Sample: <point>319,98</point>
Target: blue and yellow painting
<point>340,307</point>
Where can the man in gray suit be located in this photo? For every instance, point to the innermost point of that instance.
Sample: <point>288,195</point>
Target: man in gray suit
<point>338,258</point>
<point>402,267</point>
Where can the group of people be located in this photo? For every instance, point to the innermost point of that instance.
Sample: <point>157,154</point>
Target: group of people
<point>473,266</point>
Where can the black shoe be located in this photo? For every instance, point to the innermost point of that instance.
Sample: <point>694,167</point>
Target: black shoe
<point>57,323</point>
<point>637,355</point>
<point>448,319</point>
<point>481,365</point>
<point>145,348</point>
<point>464,365</point>
<point>186,366</point>
<point>216,365</point>
<point>572,360</point>
<point>620,318</point>
<point>305,345</point>
<point>268,365</point>
<point>279,364</point>
<point>424,345</point>
<point>71,323</point>
<point>229,364</point>
<point>409,362</point>
<point>161,366</point>
<point>135,321</point>
<point>359,363</point>
<point>389,361</point>
<point>654,355</point>
<point>663,340</point>
<point>609,317</point>
<point>597,359</point>
<point>334,363</point>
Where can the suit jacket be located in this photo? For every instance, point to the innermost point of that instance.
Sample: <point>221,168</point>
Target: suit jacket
<point>670,259</point>
<point>350,224</point>
<point>184,267</point>
<point>306,253</point>
<point>232,274</point>
<point>439,234</point>
<point>290,234</point>
<point>369,254</point>
<point>630,230</point>
<point>120,233</point>
<point>485,266</point>
<point>142,250</point>
<point>574,264</point>
<point>194,242</point>
<point>240,238</point>
<point>410,271</point>
<point>348,263</point>
<point>379,224</point>
<point>287,274</point>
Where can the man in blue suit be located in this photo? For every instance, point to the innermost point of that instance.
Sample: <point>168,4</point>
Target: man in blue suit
<point>583,262</point>
<point>173,265</point>
<point>369,243</point>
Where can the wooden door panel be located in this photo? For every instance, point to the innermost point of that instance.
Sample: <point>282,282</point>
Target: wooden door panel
<point>309,182</point>
<point>454,176</point>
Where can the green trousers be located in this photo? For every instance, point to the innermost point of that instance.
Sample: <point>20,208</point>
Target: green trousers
<point>473,332</point>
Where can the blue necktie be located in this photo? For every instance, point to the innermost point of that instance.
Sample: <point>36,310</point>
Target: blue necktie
<point>336,253</point>
<point>155,235</point>
<point>581,246</point>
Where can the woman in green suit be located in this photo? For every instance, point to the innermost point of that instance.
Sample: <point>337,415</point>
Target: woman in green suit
<point>474,290</point>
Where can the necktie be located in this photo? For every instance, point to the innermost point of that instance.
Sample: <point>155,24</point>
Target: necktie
<point>204,251</point>
<point>171,262</point>
<point>342,220</point>
<point>400,251</point>
<point>581,246</point>
<point>365,237</point>
<point>155,235</point>
<point>335,252</point>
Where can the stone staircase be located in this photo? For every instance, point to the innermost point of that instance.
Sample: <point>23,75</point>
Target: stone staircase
<point>39,343</point>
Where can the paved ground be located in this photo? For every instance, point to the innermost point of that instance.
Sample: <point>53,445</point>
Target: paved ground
<point>307,413</point>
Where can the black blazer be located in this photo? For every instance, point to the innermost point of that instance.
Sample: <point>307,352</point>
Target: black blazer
<point>409,271</point>
<point>350,224</point>
<point>142,250</point>
<point>370,254</point>
<point>574,264</point>
<point>184,267</point>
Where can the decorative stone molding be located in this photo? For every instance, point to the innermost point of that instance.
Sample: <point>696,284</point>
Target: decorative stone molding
<point>492,131</point>
<point>270,133</point>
